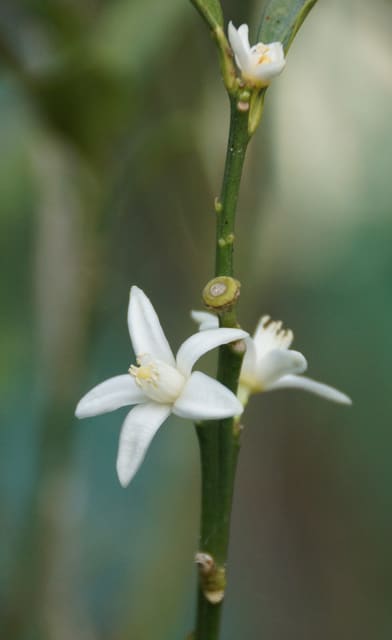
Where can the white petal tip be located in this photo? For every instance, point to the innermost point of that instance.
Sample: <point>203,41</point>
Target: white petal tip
<point>205,320</point>
<point>137,292</point>
<point>332,394</point>
<point>81,410</point>
<point>123,479</point>
<point>343,399</point>
<point>299,361</point>
<point>240,409</point>
<point>134,288</point>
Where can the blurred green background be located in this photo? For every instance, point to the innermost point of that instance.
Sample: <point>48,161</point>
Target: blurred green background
<point>113,122</point>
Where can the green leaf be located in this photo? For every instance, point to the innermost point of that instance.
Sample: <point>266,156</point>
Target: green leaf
<point>281,20</point>
<point>211,11</point>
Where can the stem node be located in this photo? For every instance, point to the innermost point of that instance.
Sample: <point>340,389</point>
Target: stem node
<point>212,578</point>
<point>221,294</point>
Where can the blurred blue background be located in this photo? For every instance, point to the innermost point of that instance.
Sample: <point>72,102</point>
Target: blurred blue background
<point>113,122</point>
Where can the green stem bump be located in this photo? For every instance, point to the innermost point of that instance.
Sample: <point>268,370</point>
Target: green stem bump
<point>217,205</point>
<point>212,578</point>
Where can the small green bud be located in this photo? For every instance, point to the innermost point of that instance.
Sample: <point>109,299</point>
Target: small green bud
<point>244,96</point>
<point>221,293</point>
<point>218,206</point>
<point>243,100</point>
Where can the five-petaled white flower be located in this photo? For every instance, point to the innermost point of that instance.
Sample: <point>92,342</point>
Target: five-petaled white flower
<point>258,64</point>
<point>269,363</point>
<point>159,384</point>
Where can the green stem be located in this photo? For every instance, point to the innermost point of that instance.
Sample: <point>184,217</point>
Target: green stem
<point>219,440</point>
<point>235,156</point>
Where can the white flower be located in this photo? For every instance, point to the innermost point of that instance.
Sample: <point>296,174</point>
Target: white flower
<point>258,64</point>
<point>269,363</point>
<point>160,384</point>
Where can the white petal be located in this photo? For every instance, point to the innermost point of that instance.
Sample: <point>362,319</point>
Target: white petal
<point>110,395</point>
<point>249,364</point>
<point>239,42</point>
<point>198,344</point>
<point>145,329</point>
<point>276,52</point>
<point>205,320</point>
<point>277,363</point>
<point>203,398</point>
<point>243,32</point>
<point>320,389</point>
<point>268,71</point>
<point>139,428</point>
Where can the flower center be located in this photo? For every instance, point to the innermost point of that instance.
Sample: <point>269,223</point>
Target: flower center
<point>159,381</point>
<point>144,373</point>
<point>263,52</point>
<point>249,384</point>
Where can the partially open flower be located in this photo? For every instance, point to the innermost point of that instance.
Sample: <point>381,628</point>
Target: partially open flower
<point>159,384</point>
<point>269,363</point>
<point>258,64</point>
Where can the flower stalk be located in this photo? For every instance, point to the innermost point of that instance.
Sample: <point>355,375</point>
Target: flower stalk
<point>220,440</point>
<point>235,156</point>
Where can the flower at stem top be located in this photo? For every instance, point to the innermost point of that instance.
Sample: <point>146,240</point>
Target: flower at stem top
<point>159,384</point>
<point>269,363</point>
<point>258,64</point>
